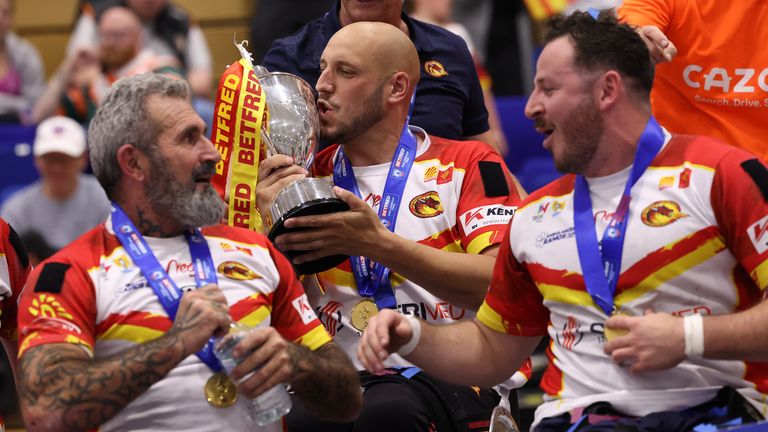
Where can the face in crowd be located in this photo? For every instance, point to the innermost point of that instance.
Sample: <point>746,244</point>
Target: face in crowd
<point>563,107</point>
<point>361,67</point>
<point>119,37</point>
<point>181,165</point>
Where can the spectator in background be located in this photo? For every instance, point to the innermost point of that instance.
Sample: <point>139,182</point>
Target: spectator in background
<point>64,203</point>
<point>14,268</point>
<point>84,78</point>
<point>168,30</point>
<point>717,85</point>
<point>22,79</point>
<point>438,12</point>
<point>449,99</point>
<point>274,19</point>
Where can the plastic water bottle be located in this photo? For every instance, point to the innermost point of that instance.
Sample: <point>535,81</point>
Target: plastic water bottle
<point>269,406</point>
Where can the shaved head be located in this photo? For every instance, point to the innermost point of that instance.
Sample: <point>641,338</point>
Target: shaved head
<point>369,72</point>
<point>380,45</point>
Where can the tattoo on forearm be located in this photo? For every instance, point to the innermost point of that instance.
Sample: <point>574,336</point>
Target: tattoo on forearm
<point>59,379</point>
<point>323,379</point>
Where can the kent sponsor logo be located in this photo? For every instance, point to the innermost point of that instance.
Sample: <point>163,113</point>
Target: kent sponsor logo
<point>481,217</point>
<point>757,234</point>
<point>301,304</point>
<point>544,239</point>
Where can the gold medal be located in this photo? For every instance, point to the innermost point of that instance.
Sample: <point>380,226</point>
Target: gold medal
<point>612,333</point>
<point>362,313</point>
<point>220,391</point>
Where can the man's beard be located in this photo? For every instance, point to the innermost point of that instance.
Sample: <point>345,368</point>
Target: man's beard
<point>180,200</point>
<point>359,121</point>
<point>581,134</point>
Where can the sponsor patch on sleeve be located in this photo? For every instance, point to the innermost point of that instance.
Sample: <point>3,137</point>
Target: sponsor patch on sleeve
<point>757,233</point>
<point>494,182</point>
<point>481,217</point>
<point>301,304</point>
<point>51,278</point>
<point>759,174</point>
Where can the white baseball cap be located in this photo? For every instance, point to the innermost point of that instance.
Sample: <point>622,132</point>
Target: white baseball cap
<point>59,135</point>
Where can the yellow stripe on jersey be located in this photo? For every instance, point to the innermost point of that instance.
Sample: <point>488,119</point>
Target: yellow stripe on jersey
<point>254,318</point>
<point>131,333</point>
<point>78,341</point>
<point>479,243</point>
<point>676,169</point>
<point>561,294</point>
<point>340,278</point>
<point>491,318</point>
<point>314,338</point>
<point>760,275</point>
<point>684,263</point>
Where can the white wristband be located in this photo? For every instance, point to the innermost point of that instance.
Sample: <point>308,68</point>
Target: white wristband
<point>693,328</point>
<point>415,336</point>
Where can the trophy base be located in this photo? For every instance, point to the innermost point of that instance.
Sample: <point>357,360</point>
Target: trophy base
<point>309,208</point>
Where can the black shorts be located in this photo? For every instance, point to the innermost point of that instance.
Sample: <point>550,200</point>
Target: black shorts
<point>407,400</point>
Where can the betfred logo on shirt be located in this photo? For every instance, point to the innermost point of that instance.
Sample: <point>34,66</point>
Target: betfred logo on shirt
<point>481,217</point>
<point>757,233</point>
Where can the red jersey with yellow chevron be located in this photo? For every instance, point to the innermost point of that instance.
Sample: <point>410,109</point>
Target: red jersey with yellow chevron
<point>695,242</point>
<point>444,206</point>
<point>105,305</point>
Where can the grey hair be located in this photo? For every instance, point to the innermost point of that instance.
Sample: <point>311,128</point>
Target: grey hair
<point>122,118</point>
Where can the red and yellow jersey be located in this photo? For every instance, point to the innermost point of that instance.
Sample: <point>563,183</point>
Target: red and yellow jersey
<point>696,242</point>
<point>14,269</point>
<point>445,205</point>
<point>91,294</point>
<point>717,85</point>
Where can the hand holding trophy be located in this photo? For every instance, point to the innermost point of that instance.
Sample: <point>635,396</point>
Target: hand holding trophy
<point>294,131</point>
<point>258,112</point>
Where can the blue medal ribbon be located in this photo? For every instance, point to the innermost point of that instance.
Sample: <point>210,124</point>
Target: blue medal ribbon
<point>166,290</point>
<point>601,265</point>
<point>372,278</point>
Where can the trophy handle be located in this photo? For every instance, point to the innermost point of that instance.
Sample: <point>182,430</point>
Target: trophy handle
<point>502,421</point>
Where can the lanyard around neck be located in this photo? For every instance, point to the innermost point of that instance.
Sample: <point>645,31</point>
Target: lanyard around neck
<point>601,263</point>
<point>372,278</point>
<point>166,290</point>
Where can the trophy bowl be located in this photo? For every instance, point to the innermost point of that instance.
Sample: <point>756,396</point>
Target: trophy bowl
<point>294,129</point>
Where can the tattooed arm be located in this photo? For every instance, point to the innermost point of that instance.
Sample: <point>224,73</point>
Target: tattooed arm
<point>61,388</point>
<point>324,379</point>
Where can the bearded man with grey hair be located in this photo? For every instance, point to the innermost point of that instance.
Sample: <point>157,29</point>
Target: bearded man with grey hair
<point>110,323</point>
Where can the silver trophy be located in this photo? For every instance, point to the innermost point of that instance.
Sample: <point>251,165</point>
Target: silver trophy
<point>502,421</point>
<point>294,129</point>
